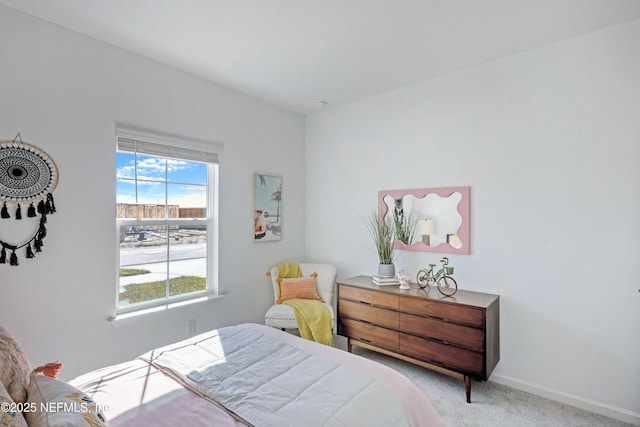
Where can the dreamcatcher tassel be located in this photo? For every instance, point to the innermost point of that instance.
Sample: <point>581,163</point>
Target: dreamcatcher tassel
<point>37,244</point>
<point>5,211</point>
<point>29,251</point>
<point>18,212</point>
<point>13,260</point>
<point>42,231</point>
<point>31,211</point>
<point>50,206</point>
<point>3,256</point>
<point>42,210</point>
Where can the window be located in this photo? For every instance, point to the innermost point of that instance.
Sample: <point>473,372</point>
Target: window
<point>165,219</point>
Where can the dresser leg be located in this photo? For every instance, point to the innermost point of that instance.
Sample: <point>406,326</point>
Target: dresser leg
<point>467,387</point>
<point>349,345</point>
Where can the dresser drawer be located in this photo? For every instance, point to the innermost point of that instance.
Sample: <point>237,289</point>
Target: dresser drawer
<point>369,333</point>
<point>458,359</point>
<point>452,333</point>
<point>369,313</point>
<point>452,312</point>
<point>371,297</point>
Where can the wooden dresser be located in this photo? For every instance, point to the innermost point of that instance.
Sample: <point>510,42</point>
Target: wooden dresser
<point>458,335</point>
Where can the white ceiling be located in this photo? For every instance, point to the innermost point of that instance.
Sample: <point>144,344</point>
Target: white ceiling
<point>293,53</point>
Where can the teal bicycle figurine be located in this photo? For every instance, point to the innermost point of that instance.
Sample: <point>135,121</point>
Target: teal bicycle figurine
<point>442,278</point>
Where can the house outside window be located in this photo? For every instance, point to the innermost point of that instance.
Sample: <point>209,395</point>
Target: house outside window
<point>166,220</point>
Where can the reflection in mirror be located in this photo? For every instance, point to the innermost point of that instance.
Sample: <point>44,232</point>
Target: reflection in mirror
<point>437,220</point>
<point>437,217</point>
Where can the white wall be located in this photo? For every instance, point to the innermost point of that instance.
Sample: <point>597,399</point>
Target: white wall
<point>549,143</point>
<point>64,93</point>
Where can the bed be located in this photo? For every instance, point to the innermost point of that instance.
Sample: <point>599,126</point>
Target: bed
<point>252,374</point>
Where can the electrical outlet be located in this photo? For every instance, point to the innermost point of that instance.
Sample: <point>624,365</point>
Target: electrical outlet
<point>191,327</point>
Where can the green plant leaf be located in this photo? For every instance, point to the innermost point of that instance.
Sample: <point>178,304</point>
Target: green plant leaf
<point>382,232</point>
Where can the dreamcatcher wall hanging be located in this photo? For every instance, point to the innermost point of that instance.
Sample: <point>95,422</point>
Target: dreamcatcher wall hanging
<point>28,177</point>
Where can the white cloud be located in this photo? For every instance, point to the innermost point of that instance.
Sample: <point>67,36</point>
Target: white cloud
<point>151,169</point>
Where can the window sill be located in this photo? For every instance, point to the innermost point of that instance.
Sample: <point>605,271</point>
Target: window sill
<point>128,316</point>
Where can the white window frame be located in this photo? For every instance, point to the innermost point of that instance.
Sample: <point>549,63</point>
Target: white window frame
<point>144,142</point>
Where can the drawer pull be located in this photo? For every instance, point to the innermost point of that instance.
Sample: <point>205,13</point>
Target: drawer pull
<point>365,303</point>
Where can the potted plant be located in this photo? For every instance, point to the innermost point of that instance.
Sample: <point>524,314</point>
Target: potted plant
<point>383,233</point>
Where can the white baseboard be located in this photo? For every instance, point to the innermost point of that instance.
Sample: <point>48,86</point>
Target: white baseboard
<point>600,408</point>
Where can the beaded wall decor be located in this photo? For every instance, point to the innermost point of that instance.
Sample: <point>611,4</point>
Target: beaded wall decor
<point>28,177</point>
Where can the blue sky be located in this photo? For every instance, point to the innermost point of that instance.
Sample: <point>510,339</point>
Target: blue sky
<point>156,177</point>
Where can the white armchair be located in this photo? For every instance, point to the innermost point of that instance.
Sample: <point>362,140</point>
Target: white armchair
<point>282,316</point>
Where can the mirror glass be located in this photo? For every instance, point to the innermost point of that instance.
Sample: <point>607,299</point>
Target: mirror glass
<point>433,219</point>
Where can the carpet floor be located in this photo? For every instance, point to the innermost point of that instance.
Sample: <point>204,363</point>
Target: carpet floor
<point>492,404</point>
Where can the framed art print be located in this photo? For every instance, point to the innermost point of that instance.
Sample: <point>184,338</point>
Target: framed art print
<point>267,208</point>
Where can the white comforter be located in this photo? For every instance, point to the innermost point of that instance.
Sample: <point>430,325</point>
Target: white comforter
<point>140,394</point>
<point>268,383</point>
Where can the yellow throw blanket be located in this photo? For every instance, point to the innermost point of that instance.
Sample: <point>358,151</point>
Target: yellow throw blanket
<point>287,270</point>
<point>314,320</point>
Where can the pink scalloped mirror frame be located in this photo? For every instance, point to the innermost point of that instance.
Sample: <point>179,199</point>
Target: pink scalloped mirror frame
<point>463,210</point>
